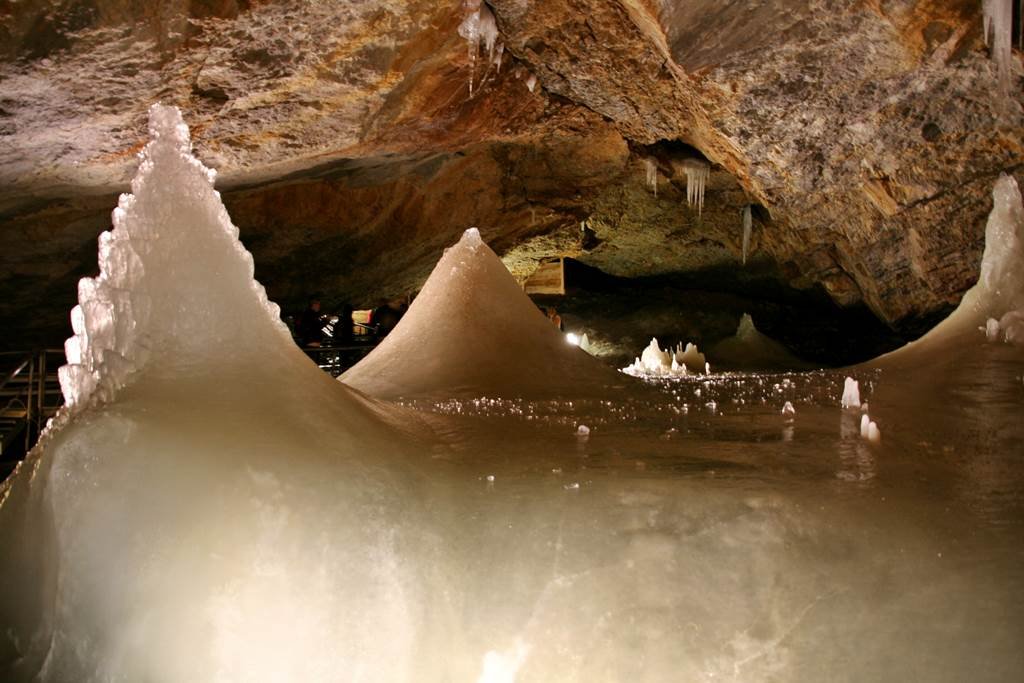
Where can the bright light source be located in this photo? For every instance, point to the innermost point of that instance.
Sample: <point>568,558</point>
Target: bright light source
<point>572,339</point>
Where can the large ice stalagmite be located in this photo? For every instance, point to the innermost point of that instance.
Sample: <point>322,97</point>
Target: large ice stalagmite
<point>995,304</point>
<point>751,349</point>
<point>174,281</point>
<point>208,505</point>
<point>472,331</point>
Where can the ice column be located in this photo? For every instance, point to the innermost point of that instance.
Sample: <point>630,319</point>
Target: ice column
<point>697,172</point>
<point>998,23</point>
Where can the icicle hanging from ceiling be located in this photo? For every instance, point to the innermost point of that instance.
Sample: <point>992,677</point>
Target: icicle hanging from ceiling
<point>697,172</point>
<point>651,167</point>
<point>479,26</point>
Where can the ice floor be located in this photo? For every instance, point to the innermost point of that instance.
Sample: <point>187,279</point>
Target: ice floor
<point>244,517</point>
<point>685,541</point>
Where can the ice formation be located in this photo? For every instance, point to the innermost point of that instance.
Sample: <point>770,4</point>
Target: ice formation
<point>997,27</point>
<point>124,315</point>
<point>651,170</point>
<point>870,431</point>
<point>472,330</point>
<point>750,349</point>
<point>999,293</point>
<point>670,362</point>
<point>208,505</point>
<point>851,393</point>
<point>1002,264</point>
<point>479,27</point>
<point>697,172</point>
<point>582,341</point>
<point>654,359</point>
<point>1012,327</point>
<point>747,224</point>
<point>992,329</point>
<point>691,357</point>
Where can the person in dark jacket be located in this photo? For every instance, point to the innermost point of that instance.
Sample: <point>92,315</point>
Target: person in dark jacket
<point>386,317</point>
<point>310,327</point>
<point>343,327</point>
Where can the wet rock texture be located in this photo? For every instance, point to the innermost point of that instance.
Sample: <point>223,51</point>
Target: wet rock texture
<point>867,135</point>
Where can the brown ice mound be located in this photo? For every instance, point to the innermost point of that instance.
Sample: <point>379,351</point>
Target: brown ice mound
<point>472,331</point>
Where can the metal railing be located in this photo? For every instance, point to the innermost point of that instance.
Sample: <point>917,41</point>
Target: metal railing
<point>336,359</point>
<point>30,391</point>
<point>29,396</point>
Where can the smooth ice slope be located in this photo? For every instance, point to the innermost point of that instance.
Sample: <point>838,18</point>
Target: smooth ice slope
<point>472,331</point>
<point>209,505</point>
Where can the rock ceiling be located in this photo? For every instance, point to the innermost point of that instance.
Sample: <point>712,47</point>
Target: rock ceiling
<point>866,134</point>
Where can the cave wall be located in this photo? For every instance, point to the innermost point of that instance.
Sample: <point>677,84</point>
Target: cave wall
<point>867,135</point>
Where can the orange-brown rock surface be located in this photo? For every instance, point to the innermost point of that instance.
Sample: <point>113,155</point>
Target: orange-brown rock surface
<point>867,136</point>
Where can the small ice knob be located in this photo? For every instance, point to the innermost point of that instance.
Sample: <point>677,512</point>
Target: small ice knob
<point>851,393</point>
<point>874,434</point>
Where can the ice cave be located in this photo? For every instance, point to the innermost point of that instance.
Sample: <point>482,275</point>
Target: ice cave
<point>506,341</point>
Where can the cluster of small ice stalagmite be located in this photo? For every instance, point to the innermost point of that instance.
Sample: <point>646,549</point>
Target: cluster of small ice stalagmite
<point>678,362</point>
<point>851,401</point>
<point>747,349</point>
<point>479,27</point>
